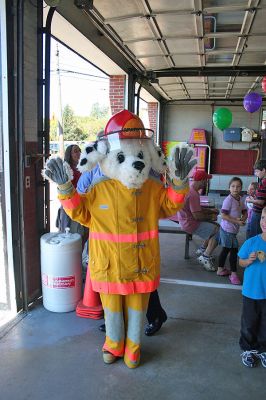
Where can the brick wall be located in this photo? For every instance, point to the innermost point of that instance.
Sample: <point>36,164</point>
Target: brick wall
<point>152,113</point>
<point>117,93</point>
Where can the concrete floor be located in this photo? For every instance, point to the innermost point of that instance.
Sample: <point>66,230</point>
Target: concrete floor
<point>52,356</point>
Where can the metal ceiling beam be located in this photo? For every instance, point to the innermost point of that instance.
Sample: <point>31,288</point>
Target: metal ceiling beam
<point>233,34</point>
<point>210,100</point>
<point>217,81</point>
<point>221,35</point>
<point>229,65</point>
<point>200,32</point>
<point>190,90</point>
<point>245,30</point>
<point>254,85</point>
<point>207,53</point>
<point>107,39</point>
<point>148,14</point>
<point>160,90</point>
<point>231,8</point>
<point>93,29</point>
<point>195,10</point>
<point>241,42</point>
<point>218,35</point>
<point>166,85</point>
<point>123,18</point>
<point>98,21</point>
<point>206,71</point>
<point>154,27</point>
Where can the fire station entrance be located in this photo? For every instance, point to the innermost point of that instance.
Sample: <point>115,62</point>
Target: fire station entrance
<point>8,304</point>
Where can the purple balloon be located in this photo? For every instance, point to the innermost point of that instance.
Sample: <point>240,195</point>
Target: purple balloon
<point>252,102</point>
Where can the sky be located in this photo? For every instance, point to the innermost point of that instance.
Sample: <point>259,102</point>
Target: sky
<point>81,88</point>
<point>82,84</point>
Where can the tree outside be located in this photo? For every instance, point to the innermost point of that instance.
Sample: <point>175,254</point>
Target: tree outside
<point>69,123</point>
<point>76,128</point>
<point>98,111</point>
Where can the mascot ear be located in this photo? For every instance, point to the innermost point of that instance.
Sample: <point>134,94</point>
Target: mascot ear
<point>158,162</point>
<point>92,154</point>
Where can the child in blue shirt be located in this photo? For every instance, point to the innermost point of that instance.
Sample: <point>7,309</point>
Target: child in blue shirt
<point>252,256</point>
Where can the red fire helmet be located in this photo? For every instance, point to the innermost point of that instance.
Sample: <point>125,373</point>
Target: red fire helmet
<point>126,125</point>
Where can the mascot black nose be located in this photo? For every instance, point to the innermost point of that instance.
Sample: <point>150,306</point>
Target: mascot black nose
<point>139,165</point>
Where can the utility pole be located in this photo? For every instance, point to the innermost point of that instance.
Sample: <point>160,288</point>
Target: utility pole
<point>60,131</point>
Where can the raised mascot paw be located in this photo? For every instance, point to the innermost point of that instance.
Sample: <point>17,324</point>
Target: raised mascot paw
<point>57,171</point>
<point>181,163</point>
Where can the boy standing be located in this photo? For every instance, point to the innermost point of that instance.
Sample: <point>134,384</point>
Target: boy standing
<point>260,199</point>
<point>252,256</point>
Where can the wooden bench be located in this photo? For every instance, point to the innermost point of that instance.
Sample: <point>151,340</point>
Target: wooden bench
<point>168,226</point>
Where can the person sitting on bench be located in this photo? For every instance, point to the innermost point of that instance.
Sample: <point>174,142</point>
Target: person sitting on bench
<point>199,221</point>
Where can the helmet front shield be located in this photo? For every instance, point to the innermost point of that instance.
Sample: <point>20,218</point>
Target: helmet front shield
<point>114,138</point>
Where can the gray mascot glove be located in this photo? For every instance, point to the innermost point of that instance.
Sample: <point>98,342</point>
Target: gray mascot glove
<point>183,162</point>
<point>58,171</point>
<point>180,165</point>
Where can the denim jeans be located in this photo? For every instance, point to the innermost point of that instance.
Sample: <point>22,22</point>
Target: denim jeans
<point>254,225</point>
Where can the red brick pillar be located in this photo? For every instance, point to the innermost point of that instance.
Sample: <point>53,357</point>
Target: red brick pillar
<point>117,93</point>
<point>152,113</point>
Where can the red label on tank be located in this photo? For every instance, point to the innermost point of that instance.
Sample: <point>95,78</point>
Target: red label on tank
<point>58,282</point>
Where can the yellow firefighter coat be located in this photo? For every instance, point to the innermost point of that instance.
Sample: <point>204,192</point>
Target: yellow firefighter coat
<point>124,254</point>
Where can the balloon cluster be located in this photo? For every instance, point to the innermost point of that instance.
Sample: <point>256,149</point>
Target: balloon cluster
<point>222,117</point>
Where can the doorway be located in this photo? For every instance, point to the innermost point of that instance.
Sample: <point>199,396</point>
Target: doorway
<point>8,307</point>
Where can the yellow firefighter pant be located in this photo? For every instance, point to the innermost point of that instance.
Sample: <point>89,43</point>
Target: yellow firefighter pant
<point>124,316</point>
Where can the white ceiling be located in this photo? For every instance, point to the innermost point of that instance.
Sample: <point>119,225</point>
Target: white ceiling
<point>78,42</point>
<point>189,49</point>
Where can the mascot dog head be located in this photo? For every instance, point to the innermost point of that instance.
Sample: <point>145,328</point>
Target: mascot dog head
<point>126,152</point>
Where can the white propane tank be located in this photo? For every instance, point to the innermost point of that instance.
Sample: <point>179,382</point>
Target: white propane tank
<point>61,271</point>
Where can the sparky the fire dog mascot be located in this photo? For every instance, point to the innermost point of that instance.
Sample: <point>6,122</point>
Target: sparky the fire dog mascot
<point>122,211</point>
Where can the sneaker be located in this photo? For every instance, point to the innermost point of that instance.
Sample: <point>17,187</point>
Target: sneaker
<point>210,257</point>
<point>200,251</point>
<point>207,262</point>
<point>262,357</point>
<point>234,279</point>
<point>102,328</point>
<point>249,358</point>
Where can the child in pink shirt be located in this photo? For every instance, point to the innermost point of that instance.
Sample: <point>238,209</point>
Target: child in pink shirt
<point>234,215</point>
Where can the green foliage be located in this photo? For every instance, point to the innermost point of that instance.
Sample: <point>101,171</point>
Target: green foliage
<point>69,123</point>
<point>78,134</point>
<point>98,111</point>
<point>91,126</point>
<point>53,129</point>
<point>77,128</point>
